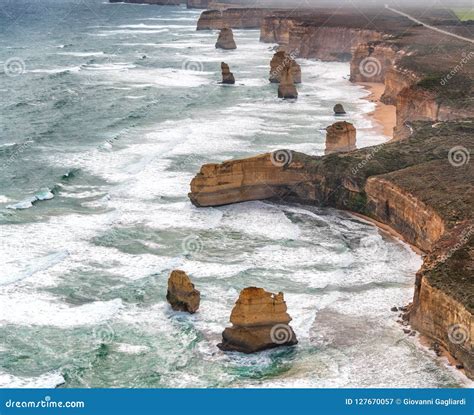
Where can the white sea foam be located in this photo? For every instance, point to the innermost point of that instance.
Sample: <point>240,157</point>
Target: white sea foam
<point>82,54</point>
<point>47,380</point>
<point>131,348</point>
<point>44,310</point>
<point>55,70</point>
<point>128,32</point>
<point>8,275</point>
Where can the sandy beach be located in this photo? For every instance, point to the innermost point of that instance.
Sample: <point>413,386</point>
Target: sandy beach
<point>385,115</point>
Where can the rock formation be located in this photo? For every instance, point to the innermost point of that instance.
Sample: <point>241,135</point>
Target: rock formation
<point>182,295</point>
<point>341,136</point>
<point>339,110</point>
<point>235,18</point>
<point>226,40</point>
<point>279,62</point>
<point>419,187</point>
<point>287,88</point>
<point>259,321</point>
<point>227,75</point>
<point>197,4</point>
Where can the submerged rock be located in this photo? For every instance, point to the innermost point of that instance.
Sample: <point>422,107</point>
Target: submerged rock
<point>287,88</point>
<point>259,322</point>
<point>227,75</point>
<point>182,295</point>
<point>279,62</point>
<point>341,136</point>
<point>226,39</point>
<point>339,109</point>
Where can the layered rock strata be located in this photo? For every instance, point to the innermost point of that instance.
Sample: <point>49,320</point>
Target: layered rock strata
<point>422,188</point>
<point>227,75</point>
<point>235,18</point>
<point>197,4</point>
<point>341,136</point>
<point>226,39</point>
<point>259,321</point>
<point>181,295</point>
<point>280,61</point>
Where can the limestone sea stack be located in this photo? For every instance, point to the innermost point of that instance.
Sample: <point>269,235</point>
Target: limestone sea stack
<point>287,88</point>
<point>341,136</point>
<point>226,39</point>
<point>339,110</point>
<point>182,295</point>
<point>227,75</point>
<point>259,322</point>
<point>279,62</point>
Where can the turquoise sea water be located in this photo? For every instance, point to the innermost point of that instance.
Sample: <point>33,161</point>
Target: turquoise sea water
<point>107,112</point>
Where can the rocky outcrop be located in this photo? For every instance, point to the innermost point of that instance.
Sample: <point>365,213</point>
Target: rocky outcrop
<point>341,136</point>
<point>226,39</point>
<point>280,61</point>
<point>287,88</point>
<point>417,187</point>
<point>235,18</point>
<point>227,75</point>
<point>255,178</point>
<point>259,321</point>
<point>181,294</point>
<point>339,109</point>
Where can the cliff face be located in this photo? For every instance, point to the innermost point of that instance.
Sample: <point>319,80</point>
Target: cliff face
<point>393,205</point>
<point>414,104</point>
<point>396,80</point>
<point>443,303</point>
<point>328,43</point>
<point>234,18</point>
<point>383,182</point>
<point>275,29</point>
<point>197,4</point>
<point>371,61</point>
<point>255,178</point>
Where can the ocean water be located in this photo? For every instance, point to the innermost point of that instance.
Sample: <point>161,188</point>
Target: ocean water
<point>107,112</point>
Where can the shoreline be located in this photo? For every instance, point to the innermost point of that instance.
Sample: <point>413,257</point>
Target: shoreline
<point>384,115</point>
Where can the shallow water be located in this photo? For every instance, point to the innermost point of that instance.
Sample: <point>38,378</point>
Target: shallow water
<point>97,148</point>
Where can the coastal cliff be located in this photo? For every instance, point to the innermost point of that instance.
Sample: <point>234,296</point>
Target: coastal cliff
<point>234,18</point>
<point>381,182</point>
